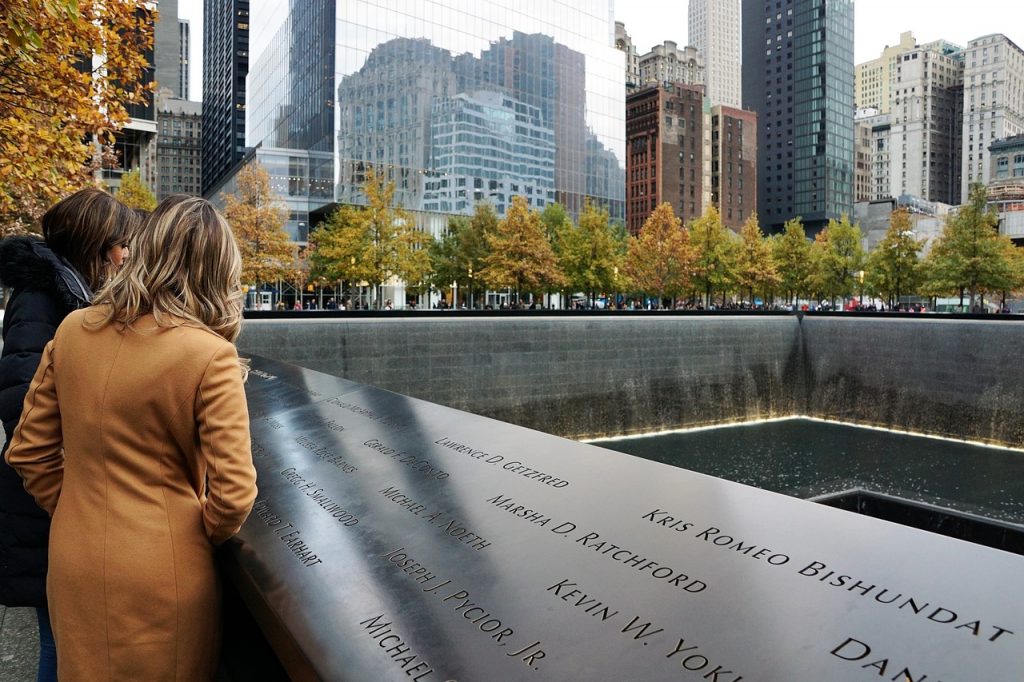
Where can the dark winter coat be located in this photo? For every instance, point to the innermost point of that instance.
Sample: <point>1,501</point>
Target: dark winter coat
<point>46,288</point>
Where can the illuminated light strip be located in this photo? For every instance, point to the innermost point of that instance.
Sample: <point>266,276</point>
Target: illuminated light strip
<point>822,420</point>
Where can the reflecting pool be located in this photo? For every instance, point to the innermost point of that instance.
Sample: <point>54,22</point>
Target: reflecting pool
<point>809,458</point>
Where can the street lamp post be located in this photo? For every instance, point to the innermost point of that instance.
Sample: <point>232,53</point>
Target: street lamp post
<point>352,281</point>
<point>615,285</point>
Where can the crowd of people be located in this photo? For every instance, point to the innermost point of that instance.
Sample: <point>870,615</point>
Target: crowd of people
<point>127,457</point>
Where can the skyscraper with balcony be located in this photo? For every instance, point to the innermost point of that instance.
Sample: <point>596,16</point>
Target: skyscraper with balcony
<point>714,29</point>
<point>798,77</point>
<point>225,64</point>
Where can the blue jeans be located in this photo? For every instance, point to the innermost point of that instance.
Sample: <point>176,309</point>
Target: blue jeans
<point>47,648</point>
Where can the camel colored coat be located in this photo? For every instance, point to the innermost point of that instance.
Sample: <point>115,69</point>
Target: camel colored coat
<point>137,444</point>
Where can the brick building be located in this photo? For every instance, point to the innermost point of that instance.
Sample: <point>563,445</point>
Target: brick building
<point>666,152</point>
<point>734,164</point>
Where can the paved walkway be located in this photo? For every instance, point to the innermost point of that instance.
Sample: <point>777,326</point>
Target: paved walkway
<point>19,644</point>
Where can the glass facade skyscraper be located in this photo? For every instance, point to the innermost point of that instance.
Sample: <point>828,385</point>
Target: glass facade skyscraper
<point>456,104</point>
<point>225,64</point>
<point>798,76</point>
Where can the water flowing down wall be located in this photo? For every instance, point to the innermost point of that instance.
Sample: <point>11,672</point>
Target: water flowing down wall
<point>961,378</point>
<point>616,374</point>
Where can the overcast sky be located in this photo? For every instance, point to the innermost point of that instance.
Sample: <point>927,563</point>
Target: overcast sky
<point>877,23</point>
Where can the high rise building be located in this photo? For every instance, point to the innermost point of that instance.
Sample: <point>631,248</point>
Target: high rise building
<point>714,29</point>
<point>178,147</point>
<point>862,174</point>
<point>167,48</point>
<point>485,145</point>
<point>878,127</point>
<point>925,104</point>
<point>625,43</point>
<point>1008,160</point>
<point>183,47</point>
<point>493,102</point>
<point>668,158</point>
<point>225,65</point>
<point>666,63</point>
<point>993,103</point>
<point>135,144</point>
<point>873,77</point>
<point>733,164</point>
<point>798,78</point>
<point>1006,186</point>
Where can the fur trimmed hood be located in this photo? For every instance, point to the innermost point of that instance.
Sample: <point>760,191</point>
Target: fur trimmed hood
<point>26,262</point>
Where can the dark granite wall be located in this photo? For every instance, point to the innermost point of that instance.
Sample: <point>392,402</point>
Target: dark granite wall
<point>606,375</point>
<point>952,377</point>
<point>575,377</point>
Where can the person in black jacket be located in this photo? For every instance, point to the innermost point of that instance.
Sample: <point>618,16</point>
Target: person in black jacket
<point>85,239</point>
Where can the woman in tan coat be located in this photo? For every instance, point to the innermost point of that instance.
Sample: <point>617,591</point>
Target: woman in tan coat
<point>135,439</point>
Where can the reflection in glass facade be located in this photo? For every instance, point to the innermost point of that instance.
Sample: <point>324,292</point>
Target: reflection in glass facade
<point>457,101</point>
<point>488,147</point>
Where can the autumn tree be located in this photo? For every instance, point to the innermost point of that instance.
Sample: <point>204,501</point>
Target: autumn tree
<point>792,254</point>
<point>135,193</point>
<point>340,247</point>
<point>714,247</point>
<point>446,266</point>
<point>588,253</point>
<point>519,255</point>
<point>458,255</point>
<point>68,70</point>
<point>839,257</point>
<point>893,267</point>
<point>258,218</point>
<point>969,256</point>
<point>755,266</point>
<point>1015,279</point>
<point>660,259</point>
<point>554,218</point>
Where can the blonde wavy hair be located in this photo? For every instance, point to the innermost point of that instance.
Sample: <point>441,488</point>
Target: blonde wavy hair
<point>184,265</point>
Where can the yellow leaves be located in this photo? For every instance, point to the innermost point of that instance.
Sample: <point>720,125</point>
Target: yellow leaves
<point>257,219</point>
<point>51,109</point>
<point>660,260</point>
<point>520,255</point>
<point>134,193</point>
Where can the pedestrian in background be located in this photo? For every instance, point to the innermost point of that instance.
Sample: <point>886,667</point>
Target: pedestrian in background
<point>135,438</point>
<point>84,242</point>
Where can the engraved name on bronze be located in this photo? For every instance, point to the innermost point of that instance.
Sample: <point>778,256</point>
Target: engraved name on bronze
<point>448,524</point>
<point>481,617</point>
<point>311,490</point>
<point>287,533</point>
<point>514,466</point>
<point>419,464</point>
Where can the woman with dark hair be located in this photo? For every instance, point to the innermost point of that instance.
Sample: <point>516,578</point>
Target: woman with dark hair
<point>135,438</point>
<point>85,239</point>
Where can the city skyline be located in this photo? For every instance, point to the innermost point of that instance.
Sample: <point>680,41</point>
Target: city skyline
<point>877,23</point>
<point>646,22</point>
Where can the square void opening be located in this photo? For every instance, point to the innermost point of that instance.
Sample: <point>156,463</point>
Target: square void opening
<point>955,524</point>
